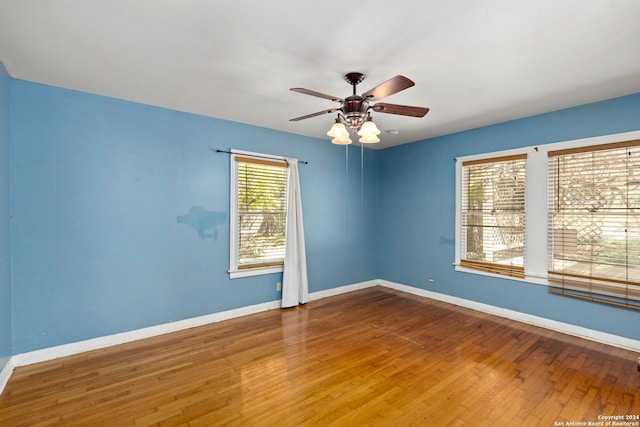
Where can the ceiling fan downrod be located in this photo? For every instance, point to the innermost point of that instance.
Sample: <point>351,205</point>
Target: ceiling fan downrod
<point>354,107</point>
<point>354,78</point>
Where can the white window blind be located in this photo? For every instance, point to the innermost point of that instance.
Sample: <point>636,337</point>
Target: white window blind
<point>493,215</point>
<point>261,212</point>
<point>594,223</point>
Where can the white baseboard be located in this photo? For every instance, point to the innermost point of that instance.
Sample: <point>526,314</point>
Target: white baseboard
<point>64,350</point>
<point>566,328</point>
<point>70,349</point>
<point>5,374</point>
<point>343,289</point>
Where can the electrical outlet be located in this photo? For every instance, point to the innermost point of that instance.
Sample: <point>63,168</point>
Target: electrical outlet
<point>278,286</point>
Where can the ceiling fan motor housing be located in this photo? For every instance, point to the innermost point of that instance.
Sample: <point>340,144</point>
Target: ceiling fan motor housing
<point>354,109</point>
<point>355,104</point>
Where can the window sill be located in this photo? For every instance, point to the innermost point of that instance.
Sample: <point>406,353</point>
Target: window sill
<point>235,274</point>
<point>527,279</point>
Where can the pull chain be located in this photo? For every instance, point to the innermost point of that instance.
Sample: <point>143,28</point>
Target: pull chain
<point>346,180</point>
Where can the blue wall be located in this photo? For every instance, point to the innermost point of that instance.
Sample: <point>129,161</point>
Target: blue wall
<point>417,216</point>
<point>99,186</point>
<point>102,190</point>
<point>5,217</point>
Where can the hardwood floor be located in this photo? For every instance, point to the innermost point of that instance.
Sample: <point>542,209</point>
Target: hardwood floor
<point>370,357</point>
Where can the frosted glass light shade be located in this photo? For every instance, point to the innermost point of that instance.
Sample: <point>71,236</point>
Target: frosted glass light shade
<point>338,130</point>
<point>342,140</point>
<point>369,129</point>
<point>369,139</point>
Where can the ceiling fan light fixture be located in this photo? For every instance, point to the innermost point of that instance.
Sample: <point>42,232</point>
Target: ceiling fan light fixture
<point>369,139</point>
<point>342,140</point>
<point>338,129</point>
<point>369,128</point>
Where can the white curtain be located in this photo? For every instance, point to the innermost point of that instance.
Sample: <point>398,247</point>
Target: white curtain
<point>295,287</point>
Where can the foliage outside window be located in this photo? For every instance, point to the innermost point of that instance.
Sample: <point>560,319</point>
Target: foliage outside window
<point>259,193</point>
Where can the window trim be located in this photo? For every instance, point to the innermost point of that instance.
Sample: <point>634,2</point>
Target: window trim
<point>235,271</point>
<point>536,266</point>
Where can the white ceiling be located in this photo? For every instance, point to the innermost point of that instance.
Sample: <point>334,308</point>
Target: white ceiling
<point>475,62</point>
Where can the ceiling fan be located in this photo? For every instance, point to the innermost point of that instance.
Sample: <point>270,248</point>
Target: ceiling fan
<point>355,110</point>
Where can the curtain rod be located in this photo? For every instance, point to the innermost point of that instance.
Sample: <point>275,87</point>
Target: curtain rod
<point>253,155</point>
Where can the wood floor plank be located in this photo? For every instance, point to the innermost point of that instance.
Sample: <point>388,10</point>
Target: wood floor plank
<point>370,357</point>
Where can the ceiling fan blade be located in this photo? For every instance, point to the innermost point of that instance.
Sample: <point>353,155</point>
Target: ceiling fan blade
<point>391,86</point>
<point>318,94</point>
<point>319,113</point>
<point>403,110</point>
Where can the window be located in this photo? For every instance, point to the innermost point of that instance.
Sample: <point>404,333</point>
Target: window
<point>493,215</point>
<point>580,232</point>
<point>594,222</point>
<point>258,215</point>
